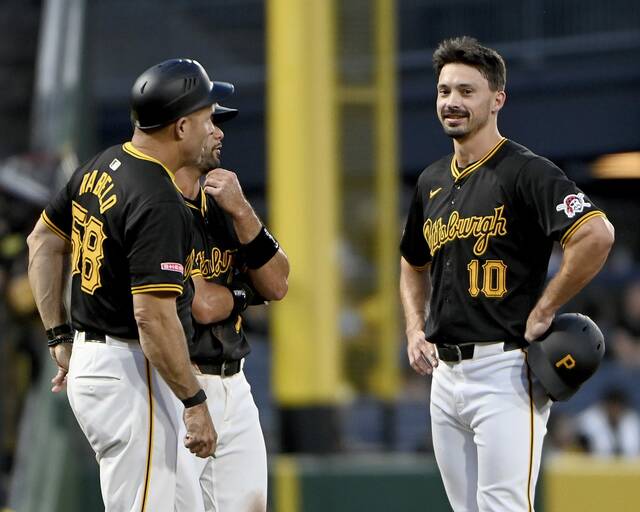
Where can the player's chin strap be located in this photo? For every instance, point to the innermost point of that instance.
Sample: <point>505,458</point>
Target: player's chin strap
<point>59,334</point>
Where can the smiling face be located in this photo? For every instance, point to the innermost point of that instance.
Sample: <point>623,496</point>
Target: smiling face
<point>465,102</point>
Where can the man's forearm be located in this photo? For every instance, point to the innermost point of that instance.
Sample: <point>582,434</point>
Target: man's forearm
<point>163,342</point>
<point>414,295</point>
<point>583,258</point>
<point>48,274</point>
<point>270,280</point>
<point>246,224</point>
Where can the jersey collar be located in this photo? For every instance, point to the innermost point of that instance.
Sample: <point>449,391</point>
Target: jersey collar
<point>129,148</point>
<point>202,198</point>
<point>460,174</point>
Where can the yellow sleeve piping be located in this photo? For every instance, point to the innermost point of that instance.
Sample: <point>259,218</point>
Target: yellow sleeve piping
<point>49,223</point>
<point>161,287</point>
<point>574,227</point>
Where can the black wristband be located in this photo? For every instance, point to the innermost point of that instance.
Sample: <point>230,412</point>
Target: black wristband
<point>261,249</point>
<point>242,297</point>
<point>197,399</point>
<point>58,330</point>
<point>61,338</point>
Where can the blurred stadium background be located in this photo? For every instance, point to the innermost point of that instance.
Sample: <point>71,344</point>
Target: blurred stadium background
<point>337,120</point>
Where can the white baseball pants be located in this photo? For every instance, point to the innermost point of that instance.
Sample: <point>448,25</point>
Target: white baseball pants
<point>488,417</point>
<point>129,416</point>
<point>235,480</point>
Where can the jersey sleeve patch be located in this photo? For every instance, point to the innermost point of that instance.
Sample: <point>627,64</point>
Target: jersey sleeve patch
<point>172,267</point>
<point>572,204</point>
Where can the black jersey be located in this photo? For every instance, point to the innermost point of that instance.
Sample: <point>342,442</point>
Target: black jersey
<point>130,233</point>
<point>216,260</point>
<point>488,232</point>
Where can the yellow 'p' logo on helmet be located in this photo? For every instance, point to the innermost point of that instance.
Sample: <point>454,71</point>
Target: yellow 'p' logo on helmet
<point>567,361</point>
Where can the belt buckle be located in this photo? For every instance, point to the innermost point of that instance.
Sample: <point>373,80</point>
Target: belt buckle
<point>458,353</point>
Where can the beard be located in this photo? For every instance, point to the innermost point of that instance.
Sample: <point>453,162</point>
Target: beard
<point>208,160</point>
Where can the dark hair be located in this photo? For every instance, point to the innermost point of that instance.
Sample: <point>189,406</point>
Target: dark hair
<point>467,50</point>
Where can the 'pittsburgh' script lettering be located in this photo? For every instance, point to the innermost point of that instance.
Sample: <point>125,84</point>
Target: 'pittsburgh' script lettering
<point>483,227</point>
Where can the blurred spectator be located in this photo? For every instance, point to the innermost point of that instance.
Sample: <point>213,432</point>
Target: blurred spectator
<point>630,310</point>
<point>626,348</point>
<point>610,427</point>
<point>562,436</point>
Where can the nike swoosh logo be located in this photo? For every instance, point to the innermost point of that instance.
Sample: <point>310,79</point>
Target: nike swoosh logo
<point>434,192</point>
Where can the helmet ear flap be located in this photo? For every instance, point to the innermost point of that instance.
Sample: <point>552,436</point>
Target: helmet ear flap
<point>567,355</point>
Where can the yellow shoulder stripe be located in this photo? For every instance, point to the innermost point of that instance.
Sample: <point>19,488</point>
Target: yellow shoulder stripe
<point>164,287</point>
<point>49,223</point>
<point>574,227</point>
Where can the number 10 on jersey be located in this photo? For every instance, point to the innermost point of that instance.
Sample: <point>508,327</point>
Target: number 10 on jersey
<point>490,279</point>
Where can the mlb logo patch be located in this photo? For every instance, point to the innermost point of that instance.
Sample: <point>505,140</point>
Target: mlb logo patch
<point>572,204</point>
<point>173,267</point>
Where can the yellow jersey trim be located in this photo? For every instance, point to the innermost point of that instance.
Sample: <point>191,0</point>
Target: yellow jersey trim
<point>49,223</point>
<point>531,436</point>
<point>147,476</point>
<point>192,206</point>
<point>459,174</point>
<point>196,272</point>
<point>203,202</point>
<point>574,227</point>
<point>166,287</point>
<point>136,153</point>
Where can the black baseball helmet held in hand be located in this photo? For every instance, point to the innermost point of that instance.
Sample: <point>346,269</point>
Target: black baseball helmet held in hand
<point>173,89</point>
<point>566,355</point>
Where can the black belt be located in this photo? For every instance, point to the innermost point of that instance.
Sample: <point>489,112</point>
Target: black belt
<point>225,369</point>
<point>457,353</point>
<point>95,337</point>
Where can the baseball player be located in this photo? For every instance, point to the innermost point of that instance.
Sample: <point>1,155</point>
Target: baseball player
<point>128,234</point>
<point>475,252</point>
<point>237,263</point>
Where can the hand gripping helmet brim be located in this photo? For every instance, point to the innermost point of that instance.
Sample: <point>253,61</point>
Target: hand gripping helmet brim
<point>173,89</point>
<point>567,355</point>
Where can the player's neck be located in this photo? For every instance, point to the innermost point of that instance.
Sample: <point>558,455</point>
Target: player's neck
<point>188,181</point>
<point>155,147</point>
<point>472,149</point>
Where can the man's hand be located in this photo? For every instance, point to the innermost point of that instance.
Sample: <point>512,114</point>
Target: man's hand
<point>224,187</point>
<point>60,354</point>
<point>422,354</point>
<point>201,438</point>
<point>538,323</point>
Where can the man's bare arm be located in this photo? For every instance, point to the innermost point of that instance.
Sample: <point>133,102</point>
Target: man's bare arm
<point>163,342</point>
<point>584,255</point>
<point>48,273</point>
<point>415,292</point>
<point>211,303</point>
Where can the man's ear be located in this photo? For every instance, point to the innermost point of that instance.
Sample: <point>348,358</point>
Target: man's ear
<point>498,102</point>
<point>180,128</point>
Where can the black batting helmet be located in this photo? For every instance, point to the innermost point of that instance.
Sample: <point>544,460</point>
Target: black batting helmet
<point>567,355</point>
<point>173,89</point>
